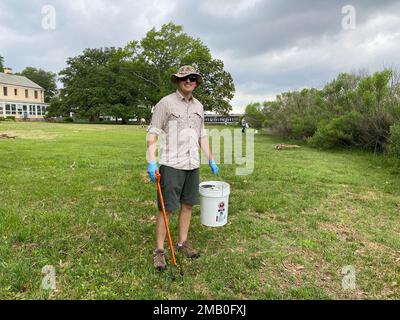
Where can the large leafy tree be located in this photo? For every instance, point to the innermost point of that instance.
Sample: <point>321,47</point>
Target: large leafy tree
<point>95,84</point>
<point>161,52</point>
<point>128,82</point>
<point>43,78</point>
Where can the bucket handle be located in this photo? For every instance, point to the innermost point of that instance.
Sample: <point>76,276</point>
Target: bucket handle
<point>220,180</point>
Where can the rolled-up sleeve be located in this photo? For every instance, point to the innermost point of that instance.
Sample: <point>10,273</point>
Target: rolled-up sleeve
<point>158,118</point>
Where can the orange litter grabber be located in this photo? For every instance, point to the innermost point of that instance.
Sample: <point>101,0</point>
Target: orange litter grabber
<point>171,246</point>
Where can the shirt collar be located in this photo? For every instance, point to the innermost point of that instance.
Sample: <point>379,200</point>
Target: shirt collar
<point>181,97</point>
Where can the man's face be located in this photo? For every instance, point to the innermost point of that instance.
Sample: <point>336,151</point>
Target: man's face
<point>187,84</point>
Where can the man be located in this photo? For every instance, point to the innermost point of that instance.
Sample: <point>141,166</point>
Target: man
<point>180,118</point>
<point>244,126</point>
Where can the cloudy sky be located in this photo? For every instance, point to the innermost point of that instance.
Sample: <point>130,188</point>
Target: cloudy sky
<point>268,46</point>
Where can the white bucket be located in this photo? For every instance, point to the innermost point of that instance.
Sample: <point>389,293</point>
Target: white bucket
<point>214,196</point>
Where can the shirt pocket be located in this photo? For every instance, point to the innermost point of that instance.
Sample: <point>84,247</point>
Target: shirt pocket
<point>174,121</point>
<point>196,121</point>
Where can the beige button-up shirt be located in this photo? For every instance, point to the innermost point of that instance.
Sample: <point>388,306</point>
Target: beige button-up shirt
<point>179,123</point>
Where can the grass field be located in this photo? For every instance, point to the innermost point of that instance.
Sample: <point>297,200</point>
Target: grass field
<point>77,197</point>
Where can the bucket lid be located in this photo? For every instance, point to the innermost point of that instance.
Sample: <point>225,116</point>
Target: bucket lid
<point>219,188</point>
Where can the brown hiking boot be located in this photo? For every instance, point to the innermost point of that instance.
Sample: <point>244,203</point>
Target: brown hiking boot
<point>159,260</point>
<point>188,251</point>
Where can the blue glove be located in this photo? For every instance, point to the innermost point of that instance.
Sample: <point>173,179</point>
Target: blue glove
<point>213,166</point>
<point>151,170</point>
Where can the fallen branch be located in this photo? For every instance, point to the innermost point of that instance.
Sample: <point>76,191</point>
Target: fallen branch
<point>6,136</point>
<point>286,146</point>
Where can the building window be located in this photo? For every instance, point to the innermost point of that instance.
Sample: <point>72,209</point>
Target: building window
<point>15,92</point>
<point>13,109</point>
<point>1,110</point>
<point>5,91</point>
<point>26,93</point>
<point>8,109</point>
<point>36,94</point>
<point>19,110</point>
<point>39,110</point>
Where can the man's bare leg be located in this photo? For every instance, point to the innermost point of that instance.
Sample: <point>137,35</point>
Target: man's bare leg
<point>184,221</point>
<point>161,232</point>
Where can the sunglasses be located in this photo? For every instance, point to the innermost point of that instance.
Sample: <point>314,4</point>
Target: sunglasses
<point>191,77</point>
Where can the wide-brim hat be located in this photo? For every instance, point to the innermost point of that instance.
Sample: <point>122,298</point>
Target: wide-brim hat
<point>186,71</point>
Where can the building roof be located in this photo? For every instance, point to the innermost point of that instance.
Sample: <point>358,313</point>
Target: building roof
<point>15,80</point>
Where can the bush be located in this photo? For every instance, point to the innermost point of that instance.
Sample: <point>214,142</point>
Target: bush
<point>303,127</point>
<point>68,119</point>
<point>254,116</point>
<point>338,132</point>
<point>393,147</point>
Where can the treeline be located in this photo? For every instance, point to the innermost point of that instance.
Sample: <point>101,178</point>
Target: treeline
<point>354,110</point>
<point>127,82</point>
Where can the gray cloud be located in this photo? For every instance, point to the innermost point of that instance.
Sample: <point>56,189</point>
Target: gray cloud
<point>272,25</point>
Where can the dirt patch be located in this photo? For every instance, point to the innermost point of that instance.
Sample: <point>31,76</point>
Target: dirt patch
<point>364,196</point>
<point>150,203</point>
<point>292,267</point>
<point>25,246</point>
<point>343,231</point>
<point>145,177</point>
<point>263,215</point>
<point>148,219</point>
<point>77,128</point>
<point>99,188</point>
<point>33,134</point>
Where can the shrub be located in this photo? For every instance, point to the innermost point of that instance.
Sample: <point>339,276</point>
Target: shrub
<point>68,119</point>
<point>393,147</point>
<point>338,132</point>
<point>303,127</point>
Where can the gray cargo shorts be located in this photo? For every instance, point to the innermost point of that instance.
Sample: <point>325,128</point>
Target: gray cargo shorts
<point>177,187</point>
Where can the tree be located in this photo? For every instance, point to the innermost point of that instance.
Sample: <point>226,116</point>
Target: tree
<point>57,107</point>
<point>254,116</point>
<point>1,64</point>
<point>127,83</point>
<point>160,53</point>
<point>96,83</point>
<point>45,79</point>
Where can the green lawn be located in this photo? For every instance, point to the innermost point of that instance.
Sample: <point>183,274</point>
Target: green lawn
<point>77,197</point>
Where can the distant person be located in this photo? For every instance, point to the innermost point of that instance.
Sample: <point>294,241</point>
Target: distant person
<point>143,122</point>
<point>244,126</point>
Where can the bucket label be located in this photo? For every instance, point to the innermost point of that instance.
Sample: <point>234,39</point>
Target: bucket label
<point>221,212</point>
